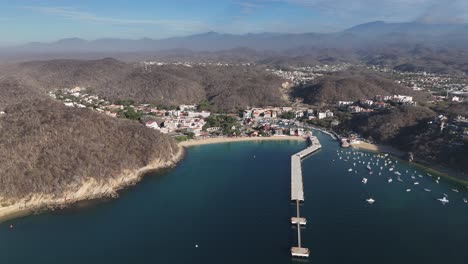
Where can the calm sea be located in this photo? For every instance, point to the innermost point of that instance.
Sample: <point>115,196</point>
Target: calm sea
<point>229,203</point>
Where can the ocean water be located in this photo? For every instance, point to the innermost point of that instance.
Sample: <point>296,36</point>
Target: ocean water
<point>229,203</point>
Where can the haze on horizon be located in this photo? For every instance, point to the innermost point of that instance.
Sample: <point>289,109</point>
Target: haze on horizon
<point>51,20</point>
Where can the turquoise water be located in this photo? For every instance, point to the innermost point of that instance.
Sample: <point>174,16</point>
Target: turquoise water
<point>232,200</point>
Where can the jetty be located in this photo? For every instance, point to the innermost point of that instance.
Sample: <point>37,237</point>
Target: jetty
<point>297,193</point>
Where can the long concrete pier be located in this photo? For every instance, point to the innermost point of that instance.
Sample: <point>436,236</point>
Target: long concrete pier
<point>297,192</point>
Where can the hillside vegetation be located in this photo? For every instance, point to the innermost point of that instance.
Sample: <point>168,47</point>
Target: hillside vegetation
<point>47,148</point>
<point>227,88</point>
<point>352,85</point>
<point>408,128</point>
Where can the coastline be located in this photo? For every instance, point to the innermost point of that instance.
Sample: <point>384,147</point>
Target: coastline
<point>218,140</point>
<point>433,169</point>
<point>89,190</point>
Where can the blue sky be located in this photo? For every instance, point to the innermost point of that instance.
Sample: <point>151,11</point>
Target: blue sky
<point>49,20</point>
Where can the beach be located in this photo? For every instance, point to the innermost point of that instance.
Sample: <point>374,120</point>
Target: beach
<point>217,140</point>
<point>378,148</point>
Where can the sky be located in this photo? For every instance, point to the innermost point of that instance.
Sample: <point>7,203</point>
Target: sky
<point>24,21</point>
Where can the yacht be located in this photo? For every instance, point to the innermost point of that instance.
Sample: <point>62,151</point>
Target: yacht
<point>443,200</point>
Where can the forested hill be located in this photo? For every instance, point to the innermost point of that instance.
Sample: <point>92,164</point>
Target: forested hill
<point>226,87</point>
<point>353,85</point>
<point>47,148</point>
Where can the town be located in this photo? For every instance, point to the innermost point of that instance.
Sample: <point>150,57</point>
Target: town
<point>190,122</point>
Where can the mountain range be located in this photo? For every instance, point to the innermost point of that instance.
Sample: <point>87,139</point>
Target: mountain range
<point>372,34</point>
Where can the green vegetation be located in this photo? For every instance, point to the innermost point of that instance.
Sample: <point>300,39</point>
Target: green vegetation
<point>129,113</point>
<point>288,115</point>
<point>181,138</point>
<point>228,124</point>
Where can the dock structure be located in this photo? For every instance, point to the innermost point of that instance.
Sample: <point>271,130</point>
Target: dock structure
<point>297,193</point>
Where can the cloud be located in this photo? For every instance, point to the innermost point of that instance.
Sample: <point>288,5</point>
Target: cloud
<point>248,7</point>
<point>451,11</point>
<point>77,15</point>
<point>434,11</point>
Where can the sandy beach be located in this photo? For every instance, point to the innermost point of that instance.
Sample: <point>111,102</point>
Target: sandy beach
<point>218,140</point>
<point>89,189</point>
<point>378,148</point>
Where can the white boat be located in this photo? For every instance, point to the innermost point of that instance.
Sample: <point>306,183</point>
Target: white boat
<point>399,179</point>
<point>390,180</point>
<point>455,190</point>
<point>380,173</point>
<point>390,169</point>
<point>408,190</point>
<point>437,181</point>
<point>364,180</point>
<point>420,176</point>
<point>350,170</point>
<point>465,200</point>
<point>397,173</point>
<point>370,172</point>
<point>412,177</point>
<point>416,183</point>
<point>443,200</point>
<point>427,190</point>
<point>370,201</point>
<point>445,195</point>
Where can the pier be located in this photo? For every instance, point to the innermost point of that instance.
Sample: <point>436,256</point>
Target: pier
<point>297,193</point>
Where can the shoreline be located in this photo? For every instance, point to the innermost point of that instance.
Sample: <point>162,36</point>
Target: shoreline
<point>219,140</point>
<point>378,148</point>
<point>89,190</point>
<point>433,169</point>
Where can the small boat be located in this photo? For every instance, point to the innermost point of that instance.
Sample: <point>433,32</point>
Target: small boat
<point>390,169</point>
<point>399,179</point>
<point>390,180</point>
<point>397,173</point>
<point>412,177</point>
<point>428,174</point>
<point>420,176</point>
<point>408,190</point>
<point>416,183</point>
<point>364,180</point>
<point>350,170</point>
<point>443,200</point>
<point>455,190</point>
<point>370,172</point>
<point>445,195</point>
<point>370,201</point>
<point>437,181</point>
<point>427,190</point>
<point>465,200</point>
<point>380,173</point>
